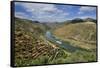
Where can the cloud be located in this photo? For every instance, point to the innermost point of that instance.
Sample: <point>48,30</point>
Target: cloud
<point>21,15</point>
<point>42,12</point>
<point>86,9</point>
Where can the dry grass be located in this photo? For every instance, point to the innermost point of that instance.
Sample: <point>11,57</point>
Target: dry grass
<point>79,34</point>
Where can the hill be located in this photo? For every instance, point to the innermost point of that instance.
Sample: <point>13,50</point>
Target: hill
<point>79,33</point>
<point>79,20</point>
<point>31,47</point>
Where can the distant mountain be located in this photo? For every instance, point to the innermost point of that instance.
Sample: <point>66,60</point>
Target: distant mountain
<point>79,20</point>
<point>76,20</point>
<point>91,20</point>
<point>26,20</point>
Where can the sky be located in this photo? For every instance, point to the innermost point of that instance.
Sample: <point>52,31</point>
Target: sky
<point>52,12</point>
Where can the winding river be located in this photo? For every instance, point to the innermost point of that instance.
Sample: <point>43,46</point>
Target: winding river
<point>62,44</point>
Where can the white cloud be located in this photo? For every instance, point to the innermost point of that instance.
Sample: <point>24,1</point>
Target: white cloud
<point>83,17</point>
<point>21,15</point>
<point>80,12</point>
<point>86,9</point>
<point>43,12</point>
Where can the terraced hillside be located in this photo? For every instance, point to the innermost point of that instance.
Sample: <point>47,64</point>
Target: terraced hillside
<point>31,48</point>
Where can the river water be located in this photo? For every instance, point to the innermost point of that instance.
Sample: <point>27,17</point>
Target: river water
<point>62,44</point>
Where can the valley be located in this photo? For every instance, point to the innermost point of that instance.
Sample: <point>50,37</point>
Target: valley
<point>39,43</point>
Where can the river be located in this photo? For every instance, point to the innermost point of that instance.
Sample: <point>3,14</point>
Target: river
<point>62,44</point>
